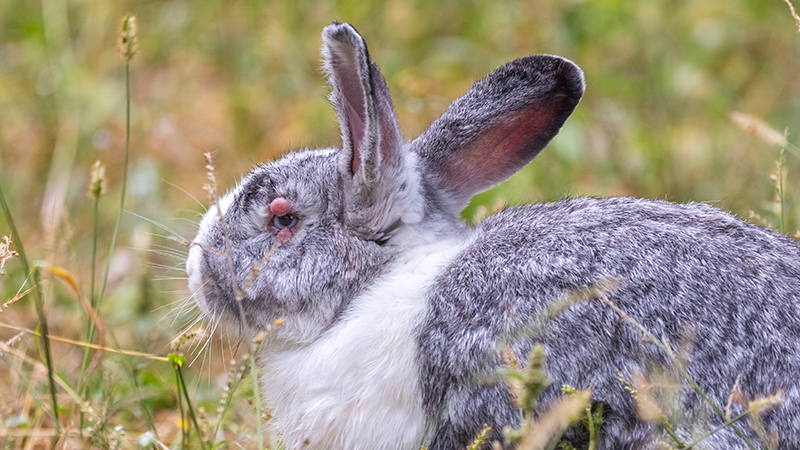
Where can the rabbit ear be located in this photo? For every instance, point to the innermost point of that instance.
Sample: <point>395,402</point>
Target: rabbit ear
<point>498,126</point>
<point>370,131</point>
<point>372,162</point>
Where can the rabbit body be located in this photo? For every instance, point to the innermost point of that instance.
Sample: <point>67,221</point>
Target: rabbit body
<point>686,273</point>
<point>394,312</point>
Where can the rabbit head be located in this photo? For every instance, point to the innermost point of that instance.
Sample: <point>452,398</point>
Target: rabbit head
<point>300,237</point>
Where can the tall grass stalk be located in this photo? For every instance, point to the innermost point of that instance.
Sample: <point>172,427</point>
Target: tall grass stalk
<point>191,408</point>
<point>184,435</point>
<point>257,400</point>
<point>234,379</point>
<point>178,361</point>
<point>96,188</point>
<point>148,414</point>
<point>256,391</point>
<point>727,423</point>
<point>39,302</point>
<point>128,49</point>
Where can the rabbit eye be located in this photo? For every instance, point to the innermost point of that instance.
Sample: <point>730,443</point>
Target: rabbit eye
<point>285,221</point>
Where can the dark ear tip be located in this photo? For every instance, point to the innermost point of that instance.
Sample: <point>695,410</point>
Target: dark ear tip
<point>560,74</point>
<point>341,32</point>
<point>572,73</point>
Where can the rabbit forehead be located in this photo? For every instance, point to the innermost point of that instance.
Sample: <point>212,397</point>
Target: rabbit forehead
<point>302,177</point>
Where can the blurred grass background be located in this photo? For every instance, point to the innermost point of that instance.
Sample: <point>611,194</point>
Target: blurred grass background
<point>243,80</point>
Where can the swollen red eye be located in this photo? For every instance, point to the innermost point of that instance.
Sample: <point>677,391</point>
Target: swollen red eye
<point>285,221</point>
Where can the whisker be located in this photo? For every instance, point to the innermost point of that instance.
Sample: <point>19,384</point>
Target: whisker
<point>167,237</point>
<point>199,314</point>
<point>207,341</point>
<point>171,253</point>
<point>173,249</point>
<point>172,303</point>
<point>181,266</point>
<point>187,301</point>
<point>169,279</point>
<point>222,353</point>
<point>175,235</point>
<point>187,193</point>
<point>194,222</point>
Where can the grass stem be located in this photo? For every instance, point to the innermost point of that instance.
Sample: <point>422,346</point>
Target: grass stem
<point>191,409</point>
<point>184,435</point>
<point>93,302</point>
<point>99,299</point>
<point>257,400</point>
<point>39,303</point>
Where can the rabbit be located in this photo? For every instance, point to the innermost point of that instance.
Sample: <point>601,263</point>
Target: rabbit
<point>382,305</point>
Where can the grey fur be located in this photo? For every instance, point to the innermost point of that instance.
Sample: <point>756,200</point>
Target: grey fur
<point>684,271</point>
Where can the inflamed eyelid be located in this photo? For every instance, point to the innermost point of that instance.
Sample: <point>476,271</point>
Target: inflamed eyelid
<point>280,207</point>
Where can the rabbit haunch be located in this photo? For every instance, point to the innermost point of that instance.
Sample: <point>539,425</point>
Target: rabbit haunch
<point>392,308</point>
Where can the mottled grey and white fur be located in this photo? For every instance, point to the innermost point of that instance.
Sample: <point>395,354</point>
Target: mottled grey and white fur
<point>391,305</point>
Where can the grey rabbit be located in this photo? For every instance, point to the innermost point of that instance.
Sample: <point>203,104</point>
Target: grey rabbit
<point>391,306</point>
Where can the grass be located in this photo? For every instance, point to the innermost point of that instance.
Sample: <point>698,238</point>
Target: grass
<point>243,80</point>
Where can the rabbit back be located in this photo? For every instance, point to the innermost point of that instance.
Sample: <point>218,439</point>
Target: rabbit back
<point>726,289</point>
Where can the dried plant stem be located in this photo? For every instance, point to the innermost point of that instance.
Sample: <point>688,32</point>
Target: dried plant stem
<point>36,365</point>
<point>794,14</point>
<point>213,197</point>
<point>85,344</point>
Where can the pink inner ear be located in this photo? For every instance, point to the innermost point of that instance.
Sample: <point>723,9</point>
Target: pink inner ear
<point>280,207</point>
<point>355,122</point>
<point>501,151</point>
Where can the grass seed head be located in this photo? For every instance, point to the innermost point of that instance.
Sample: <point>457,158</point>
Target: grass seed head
<point>6,253</point>
<point>97,184</point>
<point>127,37</point>
<point>211,186</point>
<point>759,128</point>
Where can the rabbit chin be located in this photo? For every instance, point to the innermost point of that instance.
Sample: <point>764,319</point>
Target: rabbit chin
<point>357,385</point>
<point>228,321</point>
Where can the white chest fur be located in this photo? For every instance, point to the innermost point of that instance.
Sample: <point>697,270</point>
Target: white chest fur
<point>357,387</point>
